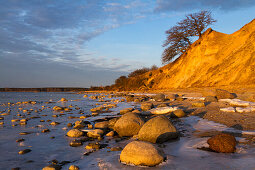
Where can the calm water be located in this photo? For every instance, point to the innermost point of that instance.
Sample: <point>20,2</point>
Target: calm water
<point>181,154</point>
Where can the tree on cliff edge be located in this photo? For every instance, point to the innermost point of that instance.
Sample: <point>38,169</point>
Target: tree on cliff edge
<point>179,36</point>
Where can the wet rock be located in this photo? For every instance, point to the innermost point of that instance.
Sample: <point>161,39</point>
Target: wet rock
<point>128,125</point>
<point>116,148</point>
<point>63,100</point>
<point>224,94</point>
<point>54,123</point>
<point>146,106</point>
<point>69,124</point>
<point>102,125</point>
<point>159,97</point>
<point>162,105</point>
<point>141,153</point>
<point>79,124</point>
<point>45,130</point>
<point>20,140</point>
<point>198,104</point>
<point>126,110</point>
<point>24,151</point>
<point>130,98</point>
<point>52,167</point>
<point>58,108</point>
<point>25,133</point>
<point>163,110</point>
<point>178,113</point>
<point>225,143</point>
<point>93,146</point>
<point>110,134</point>
<point>73,167</point>
<point>75,143</point>
<point>74,133</point>
<point>95,133</point>
<point>112,122</point>
<point>210,99</point>
<point>157,130</point>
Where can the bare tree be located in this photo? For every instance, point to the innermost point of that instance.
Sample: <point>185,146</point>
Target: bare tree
<point>179,37</point>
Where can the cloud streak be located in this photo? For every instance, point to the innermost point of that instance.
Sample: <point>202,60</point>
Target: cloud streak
<point>184,5</point>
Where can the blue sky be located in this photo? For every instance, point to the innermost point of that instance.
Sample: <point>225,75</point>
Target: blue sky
<point>80,43</point>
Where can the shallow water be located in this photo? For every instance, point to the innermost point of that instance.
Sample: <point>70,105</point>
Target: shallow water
<point>181,154</point>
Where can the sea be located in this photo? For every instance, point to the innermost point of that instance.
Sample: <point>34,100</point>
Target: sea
<point>54,145</point>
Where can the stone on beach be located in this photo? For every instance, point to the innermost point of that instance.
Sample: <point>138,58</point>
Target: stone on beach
<point>128,125</point>
<point>63,100</point>
<point>74,133</point>
<point>198,104</point>
<point>159,97</point>
<point>24,151</point>
<point>73,167</point>
<point>163,110</point>
<point>102,125</point>
<point>52,167</point>
<point>225,143</point>
<point>210,99</point>
<point>126,110</point>
<point>141,153</point>
<point>58,108</point>
<point>158,130</point>
<point>178,113</point>
<point>146,106</point>
<point>224,94</point>
<point>96,133</point>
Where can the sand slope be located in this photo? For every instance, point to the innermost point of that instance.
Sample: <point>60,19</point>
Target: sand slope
<point>215,60</point>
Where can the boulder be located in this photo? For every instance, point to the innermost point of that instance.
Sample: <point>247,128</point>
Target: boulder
<point>74,133</point>
<point>178,113</point>
<point>126,110</point>
<point>210,99</point>
<point>146,106</point>
<point>128,125</point>
<point>159,97</point>
<point>101,125</point>
<point>225,143</point>
<point>198,104</point>
<point>112,122</point>
<point>224,94</point>
<point>158,130</point>
<point>141,153</point>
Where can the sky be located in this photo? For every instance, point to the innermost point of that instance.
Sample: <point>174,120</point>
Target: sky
<point>83,43</point>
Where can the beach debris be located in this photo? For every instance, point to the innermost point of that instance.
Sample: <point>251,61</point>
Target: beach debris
<point>128,125</point>
<point>141,153</point>
<point>163,110</point>
<point>157,130</point>
<point>225,143</point>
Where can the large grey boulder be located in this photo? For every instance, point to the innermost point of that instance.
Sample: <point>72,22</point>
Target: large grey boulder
<point>128,125</point>
<point>158,130</point>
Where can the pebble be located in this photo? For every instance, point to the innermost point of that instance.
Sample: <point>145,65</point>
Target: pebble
<point>24,151</point>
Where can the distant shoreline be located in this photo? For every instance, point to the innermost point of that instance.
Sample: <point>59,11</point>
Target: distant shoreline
<point>44,89</point>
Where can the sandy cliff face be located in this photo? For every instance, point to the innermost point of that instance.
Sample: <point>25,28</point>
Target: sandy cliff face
<point>216,60</point>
